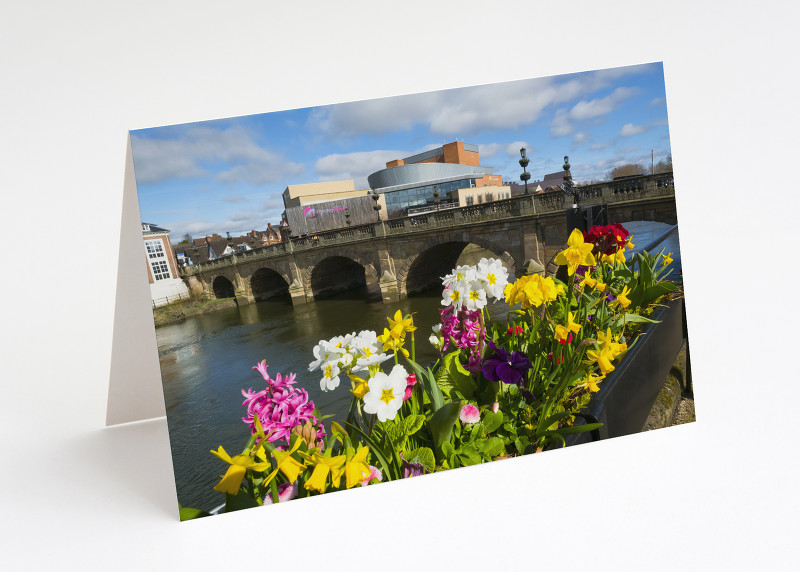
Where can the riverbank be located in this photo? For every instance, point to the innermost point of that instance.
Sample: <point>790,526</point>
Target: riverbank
<point>178,312</point>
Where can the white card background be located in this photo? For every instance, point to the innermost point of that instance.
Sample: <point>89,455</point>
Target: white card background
<point>719,493</point>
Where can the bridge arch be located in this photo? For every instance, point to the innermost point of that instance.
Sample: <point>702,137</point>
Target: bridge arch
<point>424,270</point>
<point>338,272</point>
<point>223,288</point>
<point>266,283</point>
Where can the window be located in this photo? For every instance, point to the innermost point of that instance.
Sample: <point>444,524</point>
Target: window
<point>154,249</point>
<point>160,270</point>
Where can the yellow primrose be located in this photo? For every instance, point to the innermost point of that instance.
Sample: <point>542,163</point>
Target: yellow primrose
<point>239,464</point>
<point>667,260</point>
<point>576,254</point>
<point>357,468</point>
<point>324,466</point>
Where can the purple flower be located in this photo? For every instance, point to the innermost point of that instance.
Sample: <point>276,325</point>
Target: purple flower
<point>505,367</point>
<point>411,469</point>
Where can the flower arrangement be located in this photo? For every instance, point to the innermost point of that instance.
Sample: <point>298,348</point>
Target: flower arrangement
<point>497,390</point>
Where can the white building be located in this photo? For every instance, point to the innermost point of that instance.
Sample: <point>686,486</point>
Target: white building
<point>162,268</point>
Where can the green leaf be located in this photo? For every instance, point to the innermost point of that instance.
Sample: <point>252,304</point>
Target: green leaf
<point>468,455</point>
<point>492,420</point>
<point>442,422</point>
<point>413,423</point>
<point>491,447</point>
<point>423,455</point>
<point>428,381</point>
<point>239,501</point>
<point>187,513</point>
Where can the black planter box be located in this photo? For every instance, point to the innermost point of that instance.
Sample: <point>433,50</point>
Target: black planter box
<point>628,394</point>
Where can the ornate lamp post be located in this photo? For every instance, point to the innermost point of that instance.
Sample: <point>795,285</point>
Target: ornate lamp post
<point>569,184</point>
<point>524,164</point>
<point>375,205</point>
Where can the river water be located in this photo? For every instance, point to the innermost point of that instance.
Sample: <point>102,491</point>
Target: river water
<point>207,360</point>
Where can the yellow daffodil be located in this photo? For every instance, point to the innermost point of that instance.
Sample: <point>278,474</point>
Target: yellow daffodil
<point>602,357</point>
<point>607,341</point>
<point>392,342</point>
<point>239,464</point>
<point>401,325</point>
<point>324,466</point>
<point>600,286</point>
<point>587,281</point>
<point>360,386</point>
<point>591,382</point>
<point>286,464</point>
<point>629,244</point>
<point>622,298</point>
<point>572,325</point>
<point>357,468</point>
<point>621,256</point>
<point>667,260</point>
<point>576,254</point>
<point>563,332</point>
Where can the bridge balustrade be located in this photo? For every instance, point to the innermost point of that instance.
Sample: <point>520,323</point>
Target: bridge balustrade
<point>525,205</point>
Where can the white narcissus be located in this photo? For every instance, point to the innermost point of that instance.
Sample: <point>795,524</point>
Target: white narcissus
<point>385,395</point>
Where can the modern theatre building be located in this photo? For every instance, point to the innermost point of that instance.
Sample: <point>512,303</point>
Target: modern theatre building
<point>453,170</point>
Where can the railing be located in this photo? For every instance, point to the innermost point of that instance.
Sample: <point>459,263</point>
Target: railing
<point>650,186</point>
<point>169,300</point>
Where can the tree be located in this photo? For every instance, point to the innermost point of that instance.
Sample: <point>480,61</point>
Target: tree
<point>627,170</point>
<point>187,238</point>
<point>664,166</point>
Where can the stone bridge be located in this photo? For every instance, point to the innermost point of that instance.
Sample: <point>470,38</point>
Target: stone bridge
<point>398,257</point>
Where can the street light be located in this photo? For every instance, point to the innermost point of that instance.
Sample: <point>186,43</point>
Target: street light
<point>524,164</point>
<point>376,206</point>
<point>436,196</point>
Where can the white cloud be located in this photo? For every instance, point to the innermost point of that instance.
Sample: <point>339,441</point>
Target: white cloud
<point>232,153</point>
<point>580,137</point>
<point>629,130</point>
<point>562,123</point>
<point>356,166</point>
<point>489,150</point>
<point>598,107</point>
<point>464,111</point>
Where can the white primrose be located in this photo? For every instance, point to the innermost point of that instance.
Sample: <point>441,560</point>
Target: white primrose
<point>385,395</point>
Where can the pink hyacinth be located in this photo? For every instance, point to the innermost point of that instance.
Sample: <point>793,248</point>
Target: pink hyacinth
<point>280,407</point>
<point>469,414</point>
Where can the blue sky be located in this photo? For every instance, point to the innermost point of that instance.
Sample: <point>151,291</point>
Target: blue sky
<point>228,175</point>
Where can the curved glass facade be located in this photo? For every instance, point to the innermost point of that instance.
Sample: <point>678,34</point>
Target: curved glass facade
<point>398,202</point>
